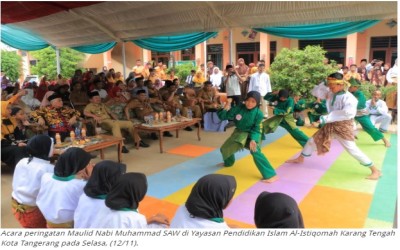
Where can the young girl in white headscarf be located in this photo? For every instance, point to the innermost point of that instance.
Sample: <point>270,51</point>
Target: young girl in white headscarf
<point>216,78</point>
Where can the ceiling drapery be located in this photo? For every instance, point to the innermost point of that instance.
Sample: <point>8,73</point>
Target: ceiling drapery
<point>319,31</point>
<point>80,24</point>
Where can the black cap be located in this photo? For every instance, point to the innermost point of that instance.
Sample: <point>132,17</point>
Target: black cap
<point>53,96</point>
<point>93,93</point>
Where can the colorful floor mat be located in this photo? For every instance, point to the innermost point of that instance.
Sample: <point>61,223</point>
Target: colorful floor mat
<point>331,190</point>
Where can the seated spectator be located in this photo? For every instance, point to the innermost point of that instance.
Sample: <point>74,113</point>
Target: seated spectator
<point>99,88</point>
<point>50,90</point>
<point>122,202</point>
<point>204,207</point>
<point>198,80</point>
<point>60,119</point>
<point>208,97</point>
<point>378,111</point>
<point>13,145</point>
<point>105,174</point>
<point>119,97</point>
<point>277,210</point>
<point>29,99</point>
<point>155,95</point>
<point>59,192</point>
<point>79,97</point>
<point>108,120</point>
<point>140,86</point>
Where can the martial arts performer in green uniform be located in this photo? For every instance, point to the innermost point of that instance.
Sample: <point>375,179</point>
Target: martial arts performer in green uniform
<point>247,118</point>
<point>362,115</point>
<point>283,116</point>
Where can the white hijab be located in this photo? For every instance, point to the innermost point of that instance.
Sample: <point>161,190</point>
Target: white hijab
<point>29,100</point>
<point>216,78</point>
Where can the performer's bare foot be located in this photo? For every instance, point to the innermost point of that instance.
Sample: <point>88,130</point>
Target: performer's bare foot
<point>387,143</point>
<point>375,174</point>
<point>221,164</point>
<point>270,180</point>
<point>299,159</point>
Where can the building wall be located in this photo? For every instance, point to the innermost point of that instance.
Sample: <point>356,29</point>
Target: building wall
<point>358,46</point>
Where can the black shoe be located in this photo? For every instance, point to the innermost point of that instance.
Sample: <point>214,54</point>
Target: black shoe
<point>167,134</point>
<point>189,128</point>
<point>143,144</point>
<point>124,150</point>
<point>154,136</point>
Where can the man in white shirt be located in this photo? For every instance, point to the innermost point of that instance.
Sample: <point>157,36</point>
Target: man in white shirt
<point>189,78</point>
<point>378,111</point>
<point>338,124</point>
<point>232,85</point>
<point>260,82</point>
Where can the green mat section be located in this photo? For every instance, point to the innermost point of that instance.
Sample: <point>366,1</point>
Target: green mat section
<point>370,223</point>
<point>348,174</point>
<point>384,200</point>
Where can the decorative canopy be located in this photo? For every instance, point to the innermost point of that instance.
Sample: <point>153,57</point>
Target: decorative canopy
<point>78,24</point>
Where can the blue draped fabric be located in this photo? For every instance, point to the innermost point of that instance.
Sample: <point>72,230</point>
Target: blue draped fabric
<point>318,31</point>
<point>26,40</point>
<point>21,39</point>
<point>95,48</point>
<point>174,43</point>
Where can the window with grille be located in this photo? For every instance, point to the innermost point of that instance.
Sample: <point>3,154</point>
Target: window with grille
<point>384,42</point>
<point>339,43</point>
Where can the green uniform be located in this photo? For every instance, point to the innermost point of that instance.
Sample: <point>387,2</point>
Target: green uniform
<point>317,109</point>
<point>248,128</point>
<point>363,118</point>
<point>283,116</point>
<point>298,108</point>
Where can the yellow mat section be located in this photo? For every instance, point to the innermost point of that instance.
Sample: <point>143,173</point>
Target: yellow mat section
<point>245,171</point>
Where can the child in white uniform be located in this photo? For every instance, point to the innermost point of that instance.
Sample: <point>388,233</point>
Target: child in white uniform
<point>205,204</point>
<point>59,192</point>
<point>105,174</point>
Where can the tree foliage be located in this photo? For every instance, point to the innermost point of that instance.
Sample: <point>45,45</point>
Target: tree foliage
<point>182,71</point>
<point>11,64</point>
<point>47,64</point>
<point>300,70</point>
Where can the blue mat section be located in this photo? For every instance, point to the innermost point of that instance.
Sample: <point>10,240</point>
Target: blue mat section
<point>385,195</point>
<point>177,177</point>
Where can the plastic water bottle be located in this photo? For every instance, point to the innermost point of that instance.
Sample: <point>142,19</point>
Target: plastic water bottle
<point>77,133</point>
<point>178,113</point>
<point>189,114</point>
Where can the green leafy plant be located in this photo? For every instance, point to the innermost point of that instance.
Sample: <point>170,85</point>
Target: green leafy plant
<point>300,70</point>
<point>11,64</point>
<point>182,71</point>
<point>46,62</point>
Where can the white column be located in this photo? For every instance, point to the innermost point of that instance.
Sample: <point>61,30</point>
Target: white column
<point>205,59</point>
<point>123,60</point>
<point>58,61</point>
<point>231,56</point>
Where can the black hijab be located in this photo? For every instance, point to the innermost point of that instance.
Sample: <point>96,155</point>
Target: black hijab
<point>254,94</point>
<point>210,195</point>
<point>127,192</point>
<point>71,162</point>
<point>104,175</point>
<point>277,210</point>
<point>40,146</point>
